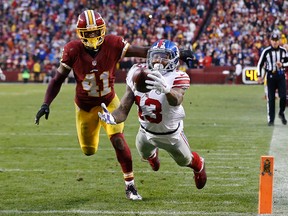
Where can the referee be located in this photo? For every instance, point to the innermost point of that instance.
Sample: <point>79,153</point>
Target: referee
<point>273,60</point>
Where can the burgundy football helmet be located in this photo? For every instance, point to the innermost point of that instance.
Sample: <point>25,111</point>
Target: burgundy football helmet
<point>91,29</point>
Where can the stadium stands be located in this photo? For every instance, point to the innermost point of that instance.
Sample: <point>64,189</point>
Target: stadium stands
<point>222,33</point>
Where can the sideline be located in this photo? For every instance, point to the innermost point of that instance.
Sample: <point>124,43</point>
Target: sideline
<point>279,149</point>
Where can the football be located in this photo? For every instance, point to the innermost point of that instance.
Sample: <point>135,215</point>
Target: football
<point>139,78</point>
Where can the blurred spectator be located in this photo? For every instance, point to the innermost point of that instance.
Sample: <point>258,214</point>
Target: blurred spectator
<point>36,71</point>
<point>25,74</point>
<point>36,30</point>
<point>239,30</point>
<point>207,61</point>
<point>49,70</point>
<point>30,63</point>
<point>215,58</point>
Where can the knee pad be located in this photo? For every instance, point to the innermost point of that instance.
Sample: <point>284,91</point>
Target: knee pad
<point>118,141</point>
<point>88,151</point>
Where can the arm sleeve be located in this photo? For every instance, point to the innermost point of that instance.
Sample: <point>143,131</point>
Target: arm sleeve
<point>54,88</point>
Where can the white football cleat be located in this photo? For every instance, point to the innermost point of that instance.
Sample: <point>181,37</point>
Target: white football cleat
<point>131,193</point>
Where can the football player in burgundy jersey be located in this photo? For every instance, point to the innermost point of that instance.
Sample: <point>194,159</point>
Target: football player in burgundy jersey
<point>93,58</point>
<point>160,111</point>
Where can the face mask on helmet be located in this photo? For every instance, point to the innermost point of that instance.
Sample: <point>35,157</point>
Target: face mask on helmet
<point>163,56</point>
<point>91,29</point>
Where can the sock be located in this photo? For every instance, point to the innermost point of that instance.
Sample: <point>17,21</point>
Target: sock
<point>129,182</point>
<point>128,176</point>
<point>153,155</point>
<point>195,164</point>
<point>123,154</point>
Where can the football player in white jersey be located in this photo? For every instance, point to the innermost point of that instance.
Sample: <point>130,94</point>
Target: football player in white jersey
<point>160,110</point>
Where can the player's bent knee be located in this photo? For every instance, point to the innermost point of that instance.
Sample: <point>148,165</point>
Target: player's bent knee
<point>118,141</point>
<point>88,151</point>
<point>182,163</point>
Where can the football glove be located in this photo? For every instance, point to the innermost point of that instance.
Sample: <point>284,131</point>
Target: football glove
<point>158,82</point>
<point>106,116</point>
<point>188,57</point>
<point>44,110</point>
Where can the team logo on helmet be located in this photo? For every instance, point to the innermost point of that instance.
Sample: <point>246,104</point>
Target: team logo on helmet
<point>163,56</point>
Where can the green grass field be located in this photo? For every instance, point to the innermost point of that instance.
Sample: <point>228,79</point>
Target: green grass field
<point>43,171</point>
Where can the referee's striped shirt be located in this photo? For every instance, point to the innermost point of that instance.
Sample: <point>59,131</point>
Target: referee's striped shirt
<point>269,57</point>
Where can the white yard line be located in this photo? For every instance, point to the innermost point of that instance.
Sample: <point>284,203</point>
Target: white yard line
<point>99,212</point>
<point>118,171</point>
<point>279,149</point>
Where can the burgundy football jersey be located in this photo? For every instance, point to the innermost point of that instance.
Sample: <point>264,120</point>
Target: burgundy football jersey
<point>94,76</point>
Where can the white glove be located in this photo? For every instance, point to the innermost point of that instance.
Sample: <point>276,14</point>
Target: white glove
<point>158,82</point>
<point>106,116</point>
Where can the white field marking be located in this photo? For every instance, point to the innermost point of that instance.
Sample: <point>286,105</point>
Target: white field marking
<point>45,148</point>
<point>201,202</point>
<point>230,167</point>
<point>59,148</point>
<point>216,185</point>
<point>229,178</point>
<point>116,171</point>
<point>35,134</point>
<point>229,154</point>
<point>19,93</point>
<point>60,171</point>
<point>218,161</point>
<point>51,134</point>
<point>228,150</point>
<point>228,193</point>
<point>279,149</point>
<point>98,212</point>
<point>223,158</point>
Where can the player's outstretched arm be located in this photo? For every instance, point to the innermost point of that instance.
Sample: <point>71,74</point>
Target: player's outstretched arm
<point>137,51</point>
<point>52,91</point>
<point>120,114</point>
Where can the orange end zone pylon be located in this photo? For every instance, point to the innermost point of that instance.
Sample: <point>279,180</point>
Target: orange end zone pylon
<point>266,185</point>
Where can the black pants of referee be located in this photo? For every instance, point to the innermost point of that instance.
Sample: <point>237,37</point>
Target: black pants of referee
<point>274,83</point>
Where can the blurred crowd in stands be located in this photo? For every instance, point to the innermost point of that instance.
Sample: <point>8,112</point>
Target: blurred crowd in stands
<point>223,33</point>
<point>238,31</point>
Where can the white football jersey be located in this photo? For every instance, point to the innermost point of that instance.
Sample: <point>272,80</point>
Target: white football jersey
<point>154,112</point>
